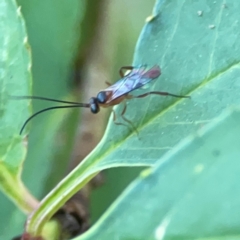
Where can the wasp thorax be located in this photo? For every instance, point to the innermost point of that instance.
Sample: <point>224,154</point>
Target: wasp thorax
<point>94,105</point>
<point>102,97</point>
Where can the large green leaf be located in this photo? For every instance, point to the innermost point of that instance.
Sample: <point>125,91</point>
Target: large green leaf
<point>198,53</point>
<point>192,193</point>
<point>14,80</point>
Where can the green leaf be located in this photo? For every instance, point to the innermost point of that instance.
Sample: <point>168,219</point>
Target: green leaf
<point>192,193</point>
<point>194,54</point>
<point>15,80</point>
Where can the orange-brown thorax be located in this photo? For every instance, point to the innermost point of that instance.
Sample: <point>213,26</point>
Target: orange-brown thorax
<point>110,101</point>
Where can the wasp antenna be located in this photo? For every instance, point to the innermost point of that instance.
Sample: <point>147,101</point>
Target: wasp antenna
<point>43,98</point>
<point>86,105</point>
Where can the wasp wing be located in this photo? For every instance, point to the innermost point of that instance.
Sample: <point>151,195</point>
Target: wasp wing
<point>137,78</point>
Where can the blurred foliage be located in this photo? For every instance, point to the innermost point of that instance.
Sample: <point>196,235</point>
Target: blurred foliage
<point>54,31</point>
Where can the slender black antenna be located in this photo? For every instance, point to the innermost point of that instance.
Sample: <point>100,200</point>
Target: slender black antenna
<point>86,105</point>
<point>43,98</point>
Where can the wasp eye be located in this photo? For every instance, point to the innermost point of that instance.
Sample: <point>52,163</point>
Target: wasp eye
<point>94,108</point>
<point>102,97</point>
<point>94,105</point>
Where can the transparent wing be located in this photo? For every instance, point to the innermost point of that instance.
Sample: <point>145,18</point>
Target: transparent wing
<point>137,78</point>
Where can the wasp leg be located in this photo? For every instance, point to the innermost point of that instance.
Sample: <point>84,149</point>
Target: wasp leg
<point>115,120</point>
<point>121,72</point>
<point>125,119</point>
<point>160,93</point>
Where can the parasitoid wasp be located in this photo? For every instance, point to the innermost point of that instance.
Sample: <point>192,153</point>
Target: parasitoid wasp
<point>114,94</point>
